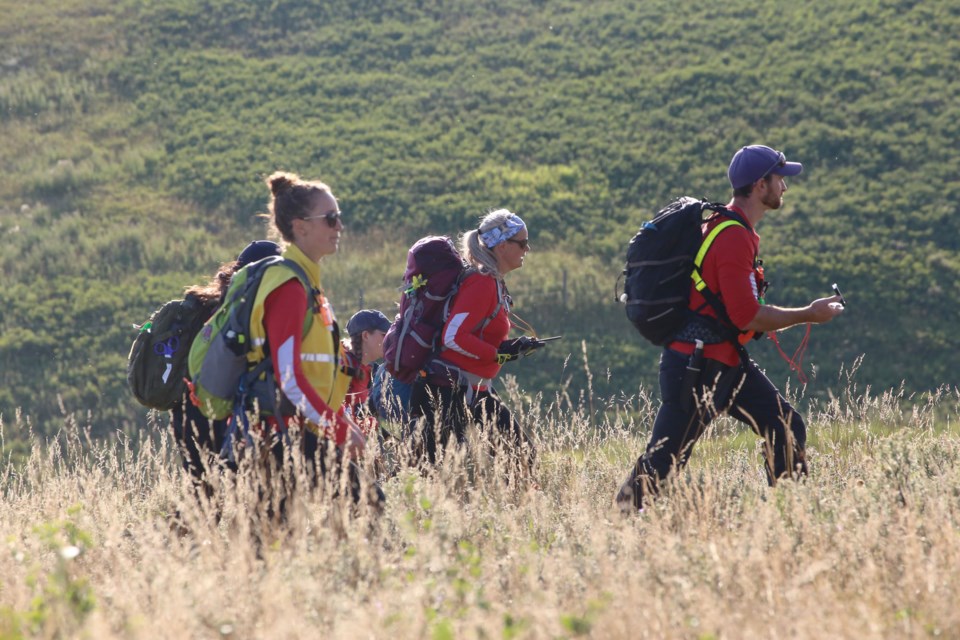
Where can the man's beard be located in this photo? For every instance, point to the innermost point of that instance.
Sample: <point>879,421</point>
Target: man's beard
<point>771,201</point>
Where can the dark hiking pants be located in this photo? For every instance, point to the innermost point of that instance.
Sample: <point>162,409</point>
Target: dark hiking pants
<point>440,412</point>
<point>742,392</point>
<point>321,458</point>
<point>199,441</point>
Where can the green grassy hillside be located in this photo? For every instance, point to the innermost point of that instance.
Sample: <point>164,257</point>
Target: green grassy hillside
<point>136,136</point>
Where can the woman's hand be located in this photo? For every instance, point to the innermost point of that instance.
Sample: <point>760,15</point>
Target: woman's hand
<point>513,349</point>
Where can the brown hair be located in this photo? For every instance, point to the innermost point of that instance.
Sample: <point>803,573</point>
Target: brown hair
<point>290,198</point>
<point>216,289</point>
<point>746,190</point>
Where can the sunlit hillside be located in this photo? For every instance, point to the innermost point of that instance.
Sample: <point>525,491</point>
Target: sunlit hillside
<point>136,136</point>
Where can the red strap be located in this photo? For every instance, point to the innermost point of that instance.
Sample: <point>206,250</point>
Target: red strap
<point>194,400</point>
<point>796,362</point>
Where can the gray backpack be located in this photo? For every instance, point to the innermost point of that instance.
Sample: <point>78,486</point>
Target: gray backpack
<point>223,381</point>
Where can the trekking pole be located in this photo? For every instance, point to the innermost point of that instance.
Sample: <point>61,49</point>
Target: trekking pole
<point>537,343</point>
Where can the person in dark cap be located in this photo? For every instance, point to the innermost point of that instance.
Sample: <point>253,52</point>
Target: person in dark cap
<point>366,329</point>
<point>198,439</point>
<point>256,251</point>
<point>728,380</point>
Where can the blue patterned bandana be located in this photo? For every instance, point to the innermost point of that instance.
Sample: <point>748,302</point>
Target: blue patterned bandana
<point>509,228</point>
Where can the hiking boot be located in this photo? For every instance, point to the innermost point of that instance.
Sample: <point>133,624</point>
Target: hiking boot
<point>629,498</point>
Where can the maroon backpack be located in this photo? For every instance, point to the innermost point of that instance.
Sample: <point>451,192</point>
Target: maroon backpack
<point>434,272</point>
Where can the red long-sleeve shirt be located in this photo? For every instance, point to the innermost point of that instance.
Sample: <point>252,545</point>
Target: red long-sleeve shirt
<point>359,391</point>
<point>284,311</point>
<point>468,344</point>
<point>729,271</point>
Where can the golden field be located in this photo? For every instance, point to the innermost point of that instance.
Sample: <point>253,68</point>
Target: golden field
<point>105,539</point>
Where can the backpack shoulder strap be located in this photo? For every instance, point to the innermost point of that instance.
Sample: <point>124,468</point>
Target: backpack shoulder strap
<point>702,253</point>
<point>350,364</point>
<point>723,210</point>
<point>466,273</point>
<point>313,302</point>
<point>305,281</point>
<point>501,299</point>
<point>501,302</point>
<point>312,295</point>
<point>733,219</point>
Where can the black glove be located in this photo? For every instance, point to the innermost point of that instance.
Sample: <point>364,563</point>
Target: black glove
<point>513,349</point>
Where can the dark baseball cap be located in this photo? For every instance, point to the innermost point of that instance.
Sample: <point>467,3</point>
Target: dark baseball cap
<point>756,161</point>
<point>367,320</point>
<point>257,250</point>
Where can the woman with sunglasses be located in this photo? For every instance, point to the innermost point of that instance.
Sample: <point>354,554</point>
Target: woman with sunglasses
<point>474,346</point>
<point>301,332</point>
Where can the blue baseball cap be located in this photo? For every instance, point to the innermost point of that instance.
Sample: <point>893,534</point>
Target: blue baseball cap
<point>257,250</point>
<point>367,320</point>
<point>756,161</point>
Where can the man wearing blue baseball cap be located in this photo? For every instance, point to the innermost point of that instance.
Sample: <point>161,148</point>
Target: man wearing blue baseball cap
<point>756,162</point>
<point>705,370</point>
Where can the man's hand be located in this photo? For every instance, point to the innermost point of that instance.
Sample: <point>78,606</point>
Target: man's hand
<point>826,309</point>
<point>773,318</point>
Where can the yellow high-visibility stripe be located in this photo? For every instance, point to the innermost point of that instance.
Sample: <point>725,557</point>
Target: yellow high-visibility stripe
<point>698,261</point>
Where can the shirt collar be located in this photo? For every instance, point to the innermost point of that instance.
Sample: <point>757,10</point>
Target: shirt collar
<point>292,252</point>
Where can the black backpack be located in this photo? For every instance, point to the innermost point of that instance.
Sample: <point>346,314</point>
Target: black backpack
<point>661,260</point>
<point>157,363</point>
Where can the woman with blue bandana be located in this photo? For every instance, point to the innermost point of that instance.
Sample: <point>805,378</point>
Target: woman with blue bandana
<point>474,346</point>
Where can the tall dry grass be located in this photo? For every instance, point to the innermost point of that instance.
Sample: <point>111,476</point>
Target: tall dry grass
<point>867,547</point>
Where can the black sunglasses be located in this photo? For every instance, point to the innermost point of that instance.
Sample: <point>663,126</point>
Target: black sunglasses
<point>781,162</point>
<point>524,244</point>
<point>332,218</point>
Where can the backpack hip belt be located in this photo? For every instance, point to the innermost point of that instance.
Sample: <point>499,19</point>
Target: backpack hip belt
<point>445,374</point>
<point>702,328</point>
